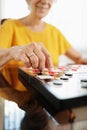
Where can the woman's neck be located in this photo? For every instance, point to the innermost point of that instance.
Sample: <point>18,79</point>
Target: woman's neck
<point>33,23</point>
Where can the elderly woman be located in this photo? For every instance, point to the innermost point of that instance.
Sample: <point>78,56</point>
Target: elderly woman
<point>16,36</point>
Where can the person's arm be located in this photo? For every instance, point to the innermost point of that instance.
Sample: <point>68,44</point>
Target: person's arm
<point>4,56</point>
<point>34,55</point>
<point>76,56</point>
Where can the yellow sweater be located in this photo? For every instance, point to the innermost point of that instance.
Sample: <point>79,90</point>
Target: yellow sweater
<point>12,33</point>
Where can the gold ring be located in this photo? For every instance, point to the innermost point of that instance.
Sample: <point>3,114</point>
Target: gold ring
<point>31,54</point>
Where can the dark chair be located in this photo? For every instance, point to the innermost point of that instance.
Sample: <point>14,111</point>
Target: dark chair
<point>3,20</point>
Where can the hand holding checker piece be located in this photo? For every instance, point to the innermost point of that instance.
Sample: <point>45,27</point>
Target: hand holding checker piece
<point>45,74</point>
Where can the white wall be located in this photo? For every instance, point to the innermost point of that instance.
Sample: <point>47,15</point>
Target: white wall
<point>68,15</point>
<point>71,17</point>
<point>13,8</point>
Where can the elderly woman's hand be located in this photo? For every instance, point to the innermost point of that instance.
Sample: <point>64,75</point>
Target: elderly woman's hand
<point>34,55</point>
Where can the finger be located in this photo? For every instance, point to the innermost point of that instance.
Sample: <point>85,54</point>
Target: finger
<point>37,51</point>
<point>41,58</point>
<point>49,63</point>
<point>26,53</point>
<point>29,48</point>
<point>33,60</point>
<point>25,60</point>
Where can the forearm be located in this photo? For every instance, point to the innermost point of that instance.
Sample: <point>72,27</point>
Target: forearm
<point>76,56</point>
<point>82,60</point>
<point>4,56</point>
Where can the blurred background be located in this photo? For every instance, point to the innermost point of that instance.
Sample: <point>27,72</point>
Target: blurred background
<point>68,15</point>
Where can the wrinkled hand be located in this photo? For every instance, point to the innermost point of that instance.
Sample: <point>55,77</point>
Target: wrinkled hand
<point>34,55</point>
